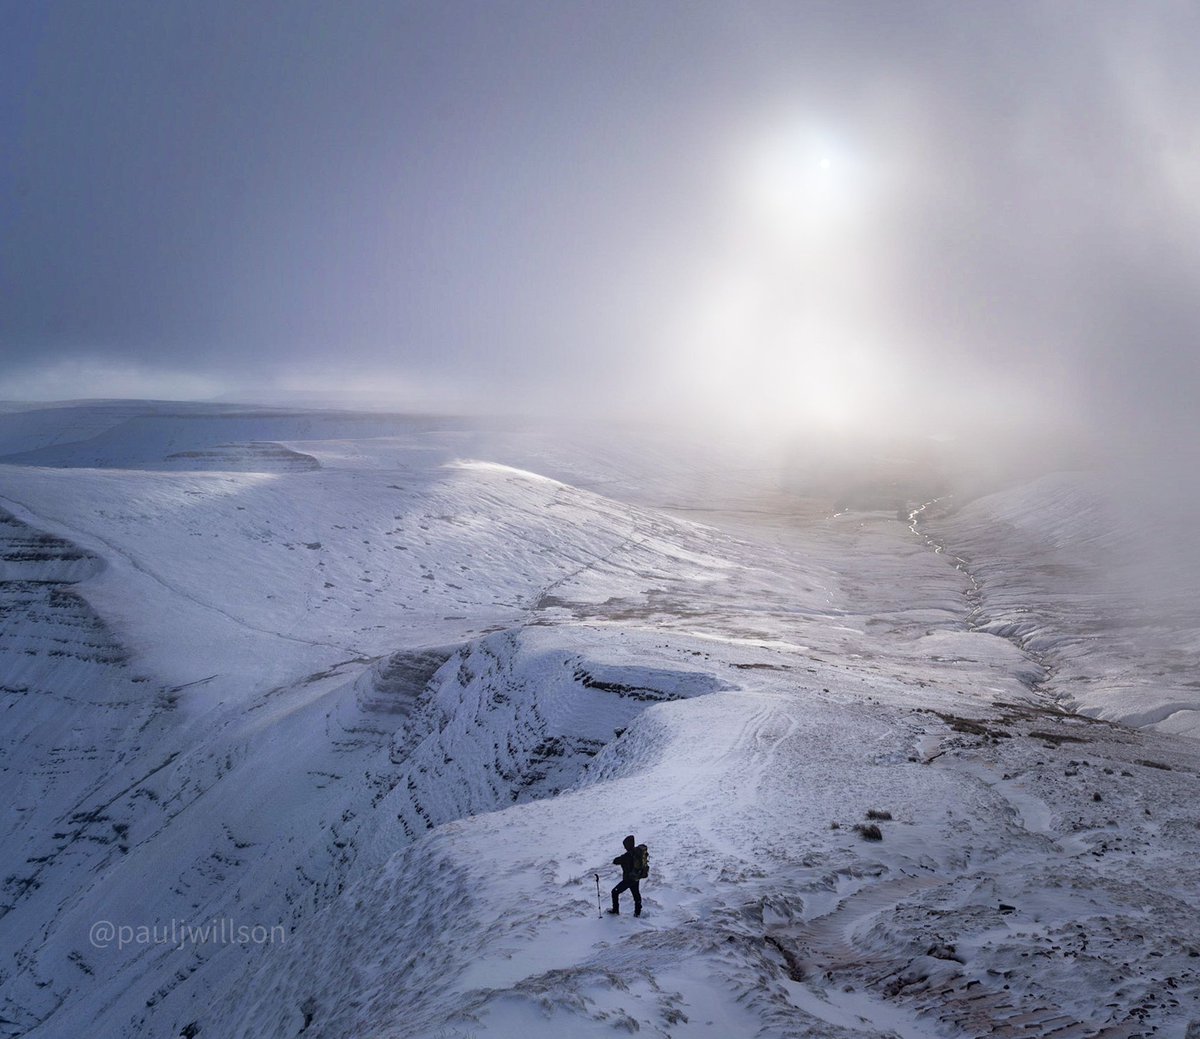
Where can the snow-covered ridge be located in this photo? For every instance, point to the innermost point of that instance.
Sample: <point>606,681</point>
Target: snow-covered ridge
<point>171,438</point>
<point>519,716</point>
<point>403,708</point>
<point>257,765</point>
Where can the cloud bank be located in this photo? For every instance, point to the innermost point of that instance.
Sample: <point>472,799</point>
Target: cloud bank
<point>834,216</point>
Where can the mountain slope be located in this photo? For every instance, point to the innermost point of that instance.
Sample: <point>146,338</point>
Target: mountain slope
<point>341,751</point>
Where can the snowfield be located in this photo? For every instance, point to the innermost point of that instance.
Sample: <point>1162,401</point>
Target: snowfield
<point>326,724</point>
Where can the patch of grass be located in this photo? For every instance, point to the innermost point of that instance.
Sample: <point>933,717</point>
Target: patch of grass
<point>875,813</point>
<point>795,969</point>
<point>972,726</point>
<point>868,832</point>
<point>1058,738</point>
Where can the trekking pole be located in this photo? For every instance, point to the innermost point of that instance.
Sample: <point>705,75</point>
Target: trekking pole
<point>599,911</point>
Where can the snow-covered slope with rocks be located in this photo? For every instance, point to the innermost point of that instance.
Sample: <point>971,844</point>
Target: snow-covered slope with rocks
<point>1061,572</point>
<point>339,749</point>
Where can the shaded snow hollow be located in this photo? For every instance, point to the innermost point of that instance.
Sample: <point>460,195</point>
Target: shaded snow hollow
<point>399,712</point>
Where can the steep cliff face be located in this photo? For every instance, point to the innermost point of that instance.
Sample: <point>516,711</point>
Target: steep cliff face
<point>80,726</point>
<point>72,702</point>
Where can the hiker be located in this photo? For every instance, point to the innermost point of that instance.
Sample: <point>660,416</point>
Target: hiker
<point>631,875</point>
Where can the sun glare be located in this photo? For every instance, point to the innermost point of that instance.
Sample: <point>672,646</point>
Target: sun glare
<point>786,329</point>
<point>796,184</point>
<point>782,328</point>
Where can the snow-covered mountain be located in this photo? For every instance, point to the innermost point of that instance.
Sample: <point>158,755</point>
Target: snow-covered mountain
<point>331,724</point>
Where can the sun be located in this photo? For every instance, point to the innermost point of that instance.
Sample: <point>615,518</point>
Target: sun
<point>780,331</point>
<point>795,182</point>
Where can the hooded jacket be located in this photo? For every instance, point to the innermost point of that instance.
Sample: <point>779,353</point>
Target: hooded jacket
<point>627,864</point>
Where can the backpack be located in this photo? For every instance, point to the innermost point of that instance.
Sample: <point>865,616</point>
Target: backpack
<point>641,861</point>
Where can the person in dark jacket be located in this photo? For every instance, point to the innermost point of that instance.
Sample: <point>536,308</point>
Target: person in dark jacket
<point>629,879</point>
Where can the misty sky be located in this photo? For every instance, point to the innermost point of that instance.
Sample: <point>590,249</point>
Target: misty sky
<point>838,210</point>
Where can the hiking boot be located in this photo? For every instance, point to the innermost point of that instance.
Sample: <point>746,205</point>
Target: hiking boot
<point>637,911</point>
<point>614,912</point>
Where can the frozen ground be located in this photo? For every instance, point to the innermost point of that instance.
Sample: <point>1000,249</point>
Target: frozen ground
<point>393,689</point>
